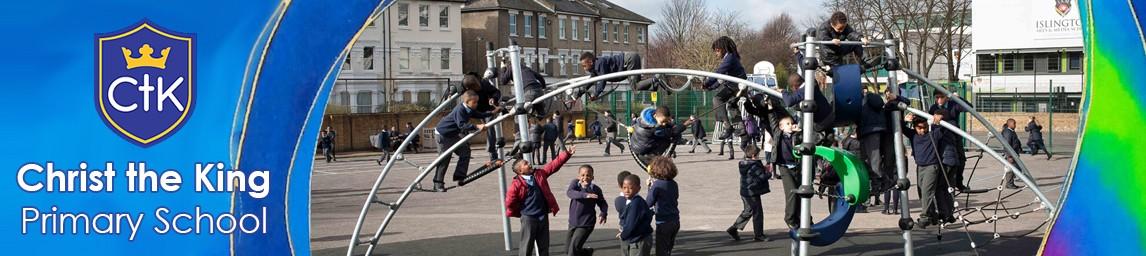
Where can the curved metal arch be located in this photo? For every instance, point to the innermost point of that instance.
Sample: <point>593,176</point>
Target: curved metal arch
<point>371,198</point>
<point>409,189</point>
<point>970,110</point>
<point>654,71</point>
<point>1030,183</point>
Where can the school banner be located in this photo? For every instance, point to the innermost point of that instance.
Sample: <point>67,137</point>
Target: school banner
<point>165,127</point>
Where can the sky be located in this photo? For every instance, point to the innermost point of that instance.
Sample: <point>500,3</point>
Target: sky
<point>755,12</point>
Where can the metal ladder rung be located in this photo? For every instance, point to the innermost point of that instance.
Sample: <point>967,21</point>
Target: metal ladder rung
<point>361,242</point>
<point>388,205</point>
<point>411,164</point>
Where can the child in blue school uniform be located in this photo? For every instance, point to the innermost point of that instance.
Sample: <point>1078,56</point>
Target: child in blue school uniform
<point>663,196</point>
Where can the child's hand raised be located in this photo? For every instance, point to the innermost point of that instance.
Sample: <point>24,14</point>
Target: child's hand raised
<point>572,149</point>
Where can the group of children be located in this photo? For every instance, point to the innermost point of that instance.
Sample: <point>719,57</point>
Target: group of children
<point>937,153</point>
<point>529,198</point>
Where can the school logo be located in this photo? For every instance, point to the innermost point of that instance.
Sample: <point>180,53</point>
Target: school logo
<point>1062,7</point>
<point>145,81</point>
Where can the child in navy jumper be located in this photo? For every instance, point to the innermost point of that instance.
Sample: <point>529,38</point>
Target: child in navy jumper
<point>753,184</point>
<point>786,166</point>
<point>925,148</point>
<point>621,200</point>
<point>530,199</point>
<point>663,195</point>
<point>583,195</point>
<point>636,234</point>
<point>449,132</point>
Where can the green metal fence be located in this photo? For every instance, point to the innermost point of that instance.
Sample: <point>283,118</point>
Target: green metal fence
<point>624,104</point>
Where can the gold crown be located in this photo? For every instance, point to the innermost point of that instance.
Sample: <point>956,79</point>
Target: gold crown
<point>145,59</point>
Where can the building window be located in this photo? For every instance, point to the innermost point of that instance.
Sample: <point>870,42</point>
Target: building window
<point>604,31</point>
<point>346,62</point>
<point>541,26</point>
<point>426,58</point>
<point>573,61</point>
<point>403,15</point>
<point>364,100</point>
<point>445,58</point>
<point>368,58</point>
<point>574,30</point>
<point>424,15</point>
<point>587,26</point>
<point>424,97</point>
<point>1028,62</point>
<point>616,32</point>
<point>1009,63</point>
<point>626,33</point>
<point>562,65</point>
<point>1075,61</point>
<point>528,25</point>
<point>1054,62</point>
<point>986,63</point>
<point>640,34</point>
<point>344,98</point>
<point>444,17</point>
<point>404,58</point>
<point>512,24</point>
<point>561,28</point>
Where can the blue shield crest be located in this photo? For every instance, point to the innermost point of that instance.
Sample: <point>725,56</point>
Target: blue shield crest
<point>145,81</point>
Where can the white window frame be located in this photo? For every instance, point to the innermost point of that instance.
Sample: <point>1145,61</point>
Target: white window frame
<point>541,33</point>
<point>605,31</point>
<point>426,58</point>
<point>574,22</point>
<point>403,15</point>
<point>445,59</point>
<point>444,25</point>
<point>528,25</point>
<point>368,61</point>
<point>404,58</point>
<point>616,32</point>
<point>588,29</point>
<point>640,34</point>
<point>573,60</point>
<point>513,24</point>
<point>543,61</point>
<point>626,32</point>
<point>561,65</point>
<point>561,28</point>
<point>424,15</point>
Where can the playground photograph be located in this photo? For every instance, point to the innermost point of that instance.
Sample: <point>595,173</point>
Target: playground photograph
<point>574,127</point>
<point>852,127</point>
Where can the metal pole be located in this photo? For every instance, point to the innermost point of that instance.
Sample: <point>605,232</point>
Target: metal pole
<point>491,63</point>
<point>807,160</point>
<point>903,183</point>
<point>628,109</point>
<point>522,118</point>
<point>1050,117</point>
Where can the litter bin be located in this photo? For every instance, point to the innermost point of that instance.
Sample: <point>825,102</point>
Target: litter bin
<point>579,128</point>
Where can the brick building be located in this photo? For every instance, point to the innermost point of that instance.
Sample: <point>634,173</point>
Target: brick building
<point>552,33</point>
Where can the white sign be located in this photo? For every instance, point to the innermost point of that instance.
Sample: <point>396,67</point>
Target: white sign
<point>1055,19</point>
